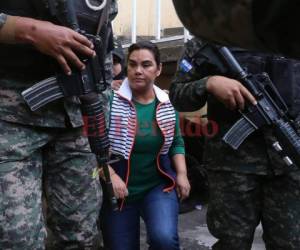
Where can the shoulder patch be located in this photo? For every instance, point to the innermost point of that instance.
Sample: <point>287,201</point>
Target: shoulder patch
<point>185,66</point>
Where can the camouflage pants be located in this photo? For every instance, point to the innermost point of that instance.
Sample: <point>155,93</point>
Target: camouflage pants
<point>239,202</point>
<point>62,158</point>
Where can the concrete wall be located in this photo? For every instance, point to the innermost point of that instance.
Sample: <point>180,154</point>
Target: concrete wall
<point>146,17</point>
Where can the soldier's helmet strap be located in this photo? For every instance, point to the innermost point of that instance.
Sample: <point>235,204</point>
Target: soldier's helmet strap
<point>96,8</point>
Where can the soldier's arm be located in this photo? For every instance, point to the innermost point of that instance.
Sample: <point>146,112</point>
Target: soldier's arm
<point>59,42</point>
<point>188,96</point>
<point>188,89</point>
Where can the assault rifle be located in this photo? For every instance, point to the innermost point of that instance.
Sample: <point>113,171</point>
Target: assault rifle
<point>270,110</point>
<point>82,85</point>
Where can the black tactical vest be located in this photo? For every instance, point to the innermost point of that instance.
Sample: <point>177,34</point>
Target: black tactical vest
<point>284,73</point>
<point>24,58</point>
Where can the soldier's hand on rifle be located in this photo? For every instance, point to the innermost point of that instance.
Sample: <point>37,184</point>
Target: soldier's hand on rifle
<point>230,92</point>
<point>59,42</point>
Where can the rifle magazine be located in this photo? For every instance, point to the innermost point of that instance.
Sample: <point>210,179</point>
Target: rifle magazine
<point>239,132</point>
<point>42,92</point>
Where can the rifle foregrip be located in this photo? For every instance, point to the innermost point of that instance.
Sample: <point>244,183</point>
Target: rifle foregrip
<point>238,133</point>
<point>95,125</point>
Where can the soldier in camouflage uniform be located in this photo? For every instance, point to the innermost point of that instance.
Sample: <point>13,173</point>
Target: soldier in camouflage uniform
<point>264,25</point>
<point>250,185</point>
<point>48,143</point>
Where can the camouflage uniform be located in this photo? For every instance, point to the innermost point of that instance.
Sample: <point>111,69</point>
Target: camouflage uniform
<point>44,145</point>
<point>252,184</point>
<point>264,25</point>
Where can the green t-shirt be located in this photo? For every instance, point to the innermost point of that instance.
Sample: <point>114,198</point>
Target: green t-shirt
<point>144,174</point>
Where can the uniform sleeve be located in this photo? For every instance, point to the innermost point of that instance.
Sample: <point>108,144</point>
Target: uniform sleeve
<point>188,88</point>
<point>178,143</point>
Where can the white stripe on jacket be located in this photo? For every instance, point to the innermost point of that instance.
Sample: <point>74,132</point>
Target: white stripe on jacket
<point>123,121</point>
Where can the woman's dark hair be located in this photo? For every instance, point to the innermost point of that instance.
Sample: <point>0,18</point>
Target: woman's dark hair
<point>148,46</point>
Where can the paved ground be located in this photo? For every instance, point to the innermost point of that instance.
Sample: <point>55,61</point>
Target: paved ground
<point>195,236</point>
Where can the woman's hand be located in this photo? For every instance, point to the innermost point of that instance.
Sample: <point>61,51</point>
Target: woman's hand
<point>119,186</point>
<point>183,186</point>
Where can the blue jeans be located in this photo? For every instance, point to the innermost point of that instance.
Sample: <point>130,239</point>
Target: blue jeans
<point>159,210</point>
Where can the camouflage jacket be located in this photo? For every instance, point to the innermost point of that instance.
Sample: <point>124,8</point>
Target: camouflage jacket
<point>188,93</point>
<point>260,25</point>
<point>16,77</point>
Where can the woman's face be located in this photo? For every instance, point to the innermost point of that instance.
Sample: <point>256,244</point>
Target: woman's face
<point>142,69</point>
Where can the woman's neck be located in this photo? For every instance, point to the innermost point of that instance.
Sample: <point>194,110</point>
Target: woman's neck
<point>143,97</point>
